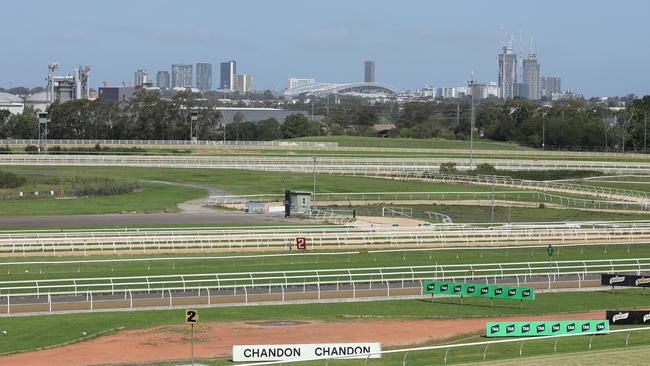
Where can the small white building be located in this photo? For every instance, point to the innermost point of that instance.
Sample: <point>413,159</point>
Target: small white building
<point>13,103</point>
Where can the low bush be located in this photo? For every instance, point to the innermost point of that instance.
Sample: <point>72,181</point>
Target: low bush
<point>10,180</point>
<point>448,168</point>
<point>31,149</point>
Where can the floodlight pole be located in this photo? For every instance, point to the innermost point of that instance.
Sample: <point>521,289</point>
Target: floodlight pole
<point>471,135</point>
<point>645,132</point>
<point>544,132</point>
<point>194,117</point>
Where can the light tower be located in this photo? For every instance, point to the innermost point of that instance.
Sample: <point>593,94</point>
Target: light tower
<point>51,70</point>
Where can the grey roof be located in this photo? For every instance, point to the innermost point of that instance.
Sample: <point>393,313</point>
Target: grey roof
<point>40,97</point>
<point>6,97</point>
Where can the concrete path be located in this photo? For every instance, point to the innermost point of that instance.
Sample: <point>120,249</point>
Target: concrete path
<point>197,205</point>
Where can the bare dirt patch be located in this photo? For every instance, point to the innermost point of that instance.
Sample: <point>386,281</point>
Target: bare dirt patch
<point>214,339</point>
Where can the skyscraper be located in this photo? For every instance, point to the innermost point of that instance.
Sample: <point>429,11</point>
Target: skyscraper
<point>181,76</point>
<point>204,76</point>
<point>550,85</point>
<point>162,80</point>
<point>369,71</point>
<point>531,76</point>
<point>228,71</point>
<point>141,77</point>
<point>507,72</point>
<point>243,83</point>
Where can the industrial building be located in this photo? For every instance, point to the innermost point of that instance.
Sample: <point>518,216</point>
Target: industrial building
<point>37,101</point>
<point>12,103</point>
<point>115,93</point>
<point>67,87</point>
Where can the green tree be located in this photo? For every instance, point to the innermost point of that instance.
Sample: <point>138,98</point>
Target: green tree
<point>297,125</point>
<point>20,126</point>
<point>268,130</point>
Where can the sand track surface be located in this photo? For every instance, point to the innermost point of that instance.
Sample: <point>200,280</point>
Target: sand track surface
<point>215,339</point>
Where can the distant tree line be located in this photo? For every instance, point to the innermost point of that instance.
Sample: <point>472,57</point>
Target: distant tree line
<point>572,123</point>
<point>566,124</point>
<point>147,116</point>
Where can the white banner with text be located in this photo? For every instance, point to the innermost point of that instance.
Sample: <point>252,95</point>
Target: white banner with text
<point>287,352</point>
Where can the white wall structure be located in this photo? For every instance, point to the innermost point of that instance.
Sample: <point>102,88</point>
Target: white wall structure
<point>297,83</point>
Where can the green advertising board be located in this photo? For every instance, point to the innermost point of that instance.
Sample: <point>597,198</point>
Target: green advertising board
<point>545,328</point>
<point>473,289</point>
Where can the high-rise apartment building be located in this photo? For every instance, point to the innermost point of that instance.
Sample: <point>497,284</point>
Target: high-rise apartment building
<point>204,76</point>
<point>507,72</point>
<point>243,83</point>
<point>369,71</point>
<point>181,76</point>
<point>227,75</point>
<point>531,76</point>
<point>141,77</point>
<point>550,85</point>
<point>476,89</point>
<point>162,80</point>
<point>297,83</point>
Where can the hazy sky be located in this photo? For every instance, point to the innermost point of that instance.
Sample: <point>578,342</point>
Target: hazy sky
<point>598,47</point>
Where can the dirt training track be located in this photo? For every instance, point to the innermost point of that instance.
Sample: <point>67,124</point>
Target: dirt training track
<point>214,340</point>
<point>134,220</point>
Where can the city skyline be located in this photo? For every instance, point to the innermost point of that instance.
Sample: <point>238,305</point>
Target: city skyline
<point>440,53</point>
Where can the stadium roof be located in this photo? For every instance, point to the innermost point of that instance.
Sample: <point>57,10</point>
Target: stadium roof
<point>359,89</point>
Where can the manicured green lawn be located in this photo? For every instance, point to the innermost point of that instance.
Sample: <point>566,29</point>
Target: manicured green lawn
<point>260,263</point>
<point>502,214</point>
<point>433,143</point>
<point>154,198</point>
<point>255,182</point>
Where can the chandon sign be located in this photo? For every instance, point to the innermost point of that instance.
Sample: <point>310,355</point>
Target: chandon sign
<point>617,317</point>
<point>286,352</point>
<point>628,280</point>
